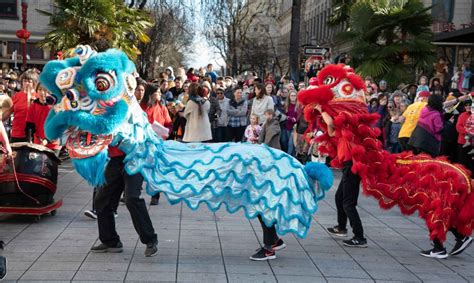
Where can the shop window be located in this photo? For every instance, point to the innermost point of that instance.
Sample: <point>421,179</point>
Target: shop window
<point>8,9</point>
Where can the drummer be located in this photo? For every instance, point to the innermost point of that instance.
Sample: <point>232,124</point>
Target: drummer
<point>21,102</point>
<point>37,114</point>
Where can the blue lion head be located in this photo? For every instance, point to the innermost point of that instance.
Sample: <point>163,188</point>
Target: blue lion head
<point>91,93</point>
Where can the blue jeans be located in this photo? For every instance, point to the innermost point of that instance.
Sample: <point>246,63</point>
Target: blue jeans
<point>286,141</point>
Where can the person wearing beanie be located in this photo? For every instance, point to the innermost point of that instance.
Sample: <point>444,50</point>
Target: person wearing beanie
<point>410,118</point>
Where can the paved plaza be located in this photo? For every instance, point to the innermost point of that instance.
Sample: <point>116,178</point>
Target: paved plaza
<point>199,246</point>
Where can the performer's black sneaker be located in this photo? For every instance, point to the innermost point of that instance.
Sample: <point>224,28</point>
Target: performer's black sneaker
<point>151,249</point>
<point>3,267</point>
<point>263,254</point>
<point>90,214</point>
<point>102,248</point>
<point>355,243</point>
<point>279,245</point>
<point>435,253</point>
<point>154,201</point>
<point>336,231</point>
<point>461,245</point>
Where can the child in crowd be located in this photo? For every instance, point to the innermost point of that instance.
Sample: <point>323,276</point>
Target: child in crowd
<point>271,242</point>
<point>252,132</point>
<point>392,129</point>
<point>271,130</point>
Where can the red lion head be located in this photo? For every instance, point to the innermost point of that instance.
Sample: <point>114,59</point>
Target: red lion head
<point>336,88</point>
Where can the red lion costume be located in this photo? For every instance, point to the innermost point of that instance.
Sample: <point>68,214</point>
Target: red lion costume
<point>440,191</point>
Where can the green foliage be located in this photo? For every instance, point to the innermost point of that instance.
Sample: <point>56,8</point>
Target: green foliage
<point>108,22</point>
<point>391,39</point>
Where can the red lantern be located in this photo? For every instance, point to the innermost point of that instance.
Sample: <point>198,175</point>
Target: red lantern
<point>23,34</point>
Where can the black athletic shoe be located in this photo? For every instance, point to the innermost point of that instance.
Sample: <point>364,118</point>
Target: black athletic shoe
<point>154,201</point>
<point>263,254</point>
<point>435,253</point>
<point>3,267</point>
<point>461,245</point>
<point>336,231</point>
<point>151,249</point>
<point>279,245</point>
<point>355,243</point>
<point>102,248</point>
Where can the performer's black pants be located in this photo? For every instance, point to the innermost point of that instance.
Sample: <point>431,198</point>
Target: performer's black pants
<point>108,196</point>
<point>437,243</point>
<point>346,201</point>
<point>269,234</point>
<point>93,202</point>
<point>465,159</point>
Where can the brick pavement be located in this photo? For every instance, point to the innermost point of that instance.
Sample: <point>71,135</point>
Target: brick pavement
<point>199,246</point>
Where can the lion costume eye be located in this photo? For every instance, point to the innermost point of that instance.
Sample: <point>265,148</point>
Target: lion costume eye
<point>104,81</point>
<point>329,80</point>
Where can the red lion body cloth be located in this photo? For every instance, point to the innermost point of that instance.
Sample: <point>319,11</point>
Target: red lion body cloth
<point>440,191</point>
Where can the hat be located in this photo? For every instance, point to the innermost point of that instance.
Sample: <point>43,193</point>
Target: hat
<point>220,89</point>
<point>424,93</point>
<point>313,81</point>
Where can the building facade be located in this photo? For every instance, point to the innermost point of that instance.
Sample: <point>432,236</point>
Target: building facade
<point>10,22</point>
<point>453,29</point>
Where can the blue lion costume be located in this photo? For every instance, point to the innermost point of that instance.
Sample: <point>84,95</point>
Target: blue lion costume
<point>94,107</point>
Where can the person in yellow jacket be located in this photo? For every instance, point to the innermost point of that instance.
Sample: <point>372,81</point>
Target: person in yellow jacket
<point>410,119</point>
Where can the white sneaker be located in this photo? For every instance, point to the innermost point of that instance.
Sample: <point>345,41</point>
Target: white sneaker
<point>90,214</point>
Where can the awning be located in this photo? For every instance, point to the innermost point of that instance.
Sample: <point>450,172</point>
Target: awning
<point>463,36</point>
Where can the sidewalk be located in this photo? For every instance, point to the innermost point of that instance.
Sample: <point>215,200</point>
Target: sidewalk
<point>199,246</point>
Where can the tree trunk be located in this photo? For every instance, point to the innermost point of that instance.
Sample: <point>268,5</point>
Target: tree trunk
<point>295,40</point>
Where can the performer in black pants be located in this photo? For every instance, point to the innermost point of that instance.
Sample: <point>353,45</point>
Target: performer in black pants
<point>348,191</point>
<point>347,195</point>
<point>106,200</point>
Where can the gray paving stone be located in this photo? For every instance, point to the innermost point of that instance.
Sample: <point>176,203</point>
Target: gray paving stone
<point>255,268</point>
<point>56,265</point>
<point>48,275</point>
<point>347,280</point>
<point>152,267</point>
<point>299,279</point>
<point>201,277</point>
<point>104,266</point>
<point>99,275</point>
<point>244,278</point>
<point>141,276</point>
<point>200,268</point>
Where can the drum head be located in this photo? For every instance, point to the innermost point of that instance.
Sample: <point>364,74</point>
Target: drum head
<point>36,147</point>
<point>6,107</point>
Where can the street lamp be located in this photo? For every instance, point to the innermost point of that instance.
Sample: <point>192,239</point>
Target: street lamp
<point>23,34</point>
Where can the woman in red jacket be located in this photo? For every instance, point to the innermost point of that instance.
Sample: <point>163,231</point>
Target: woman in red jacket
<point>463,150</point>
<point>36,117</point>
<point>156,112</point>
<point>21,103</point>
<point>154,109</point>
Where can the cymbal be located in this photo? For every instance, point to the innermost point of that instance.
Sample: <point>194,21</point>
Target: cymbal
<point>6,107</point>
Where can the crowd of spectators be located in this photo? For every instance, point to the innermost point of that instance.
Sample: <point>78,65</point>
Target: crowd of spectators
<point>430,116</point>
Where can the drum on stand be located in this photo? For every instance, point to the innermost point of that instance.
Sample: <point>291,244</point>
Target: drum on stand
<point>35,169</point>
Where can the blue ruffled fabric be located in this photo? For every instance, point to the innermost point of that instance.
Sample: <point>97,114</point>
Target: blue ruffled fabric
<point>260,180</point>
